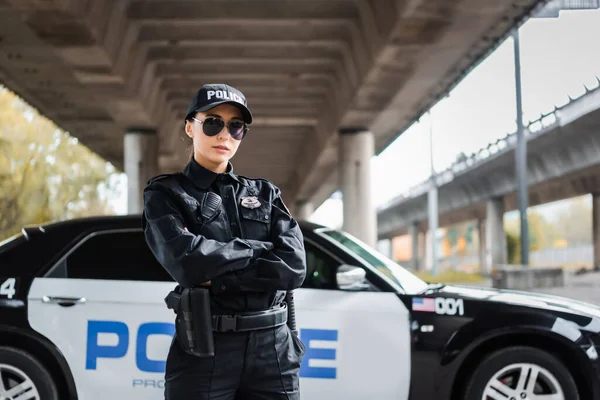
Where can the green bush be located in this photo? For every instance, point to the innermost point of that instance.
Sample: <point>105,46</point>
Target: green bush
<point>450,277</point>
<point>513,248</point>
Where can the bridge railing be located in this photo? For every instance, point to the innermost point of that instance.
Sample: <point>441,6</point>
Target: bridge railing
<point>544,123</point>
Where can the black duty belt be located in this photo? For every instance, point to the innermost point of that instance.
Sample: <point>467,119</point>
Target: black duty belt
<point>250,321</point>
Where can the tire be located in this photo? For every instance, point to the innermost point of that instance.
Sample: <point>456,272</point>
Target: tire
<point>18,367</point>
<point>500,372</point>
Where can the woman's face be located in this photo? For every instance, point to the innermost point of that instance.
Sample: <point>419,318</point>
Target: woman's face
<point>213,152</point>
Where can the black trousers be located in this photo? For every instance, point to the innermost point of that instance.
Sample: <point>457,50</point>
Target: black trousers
<point>255,365</point>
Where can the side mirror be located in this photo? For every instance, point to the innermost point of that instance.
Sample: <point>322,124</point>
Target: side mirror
<point>349,277</point>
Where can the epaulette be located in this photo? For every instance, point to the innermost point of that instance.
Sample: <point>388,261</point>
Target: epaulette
<point>162,176</point>
<point>253,183</point>
<point>268,182</point>
<point>256,179</point>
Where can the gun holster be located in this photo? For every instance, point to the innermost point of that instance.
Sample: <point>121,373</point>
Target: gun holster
<point>193,325</point>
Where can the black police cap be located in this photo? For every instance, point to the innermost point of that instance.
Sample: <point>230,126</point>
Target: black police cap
<point>212,95</point>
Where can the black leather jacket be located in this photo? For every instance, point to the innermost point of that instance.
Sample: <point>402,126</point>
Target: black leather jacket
<point>249,246</point>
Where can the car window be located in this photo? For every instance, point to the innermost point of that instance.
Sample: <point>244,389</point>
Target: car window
<point>400,276</point>
<point>320,269</point>
<point>116,255</point>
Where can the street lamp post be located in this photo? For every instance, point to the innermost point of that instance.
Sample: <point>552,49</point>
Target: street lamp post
<point>521,155</point>
<point>432,201</point>
<point>551,10</point>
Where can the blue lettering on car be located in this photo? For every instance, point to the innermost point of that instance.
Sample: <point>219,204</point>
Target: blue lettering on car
<point>313,353</point>
<point>95,351</point>
<point>141,358</point>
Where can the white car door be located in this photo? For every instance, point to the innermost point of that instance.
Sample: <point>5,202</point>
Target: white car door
<point>113,328</point>
<point>358,342</point>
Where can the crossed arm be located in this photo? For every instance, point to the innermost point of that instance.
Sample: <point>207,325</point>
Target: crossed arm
<point>235,265</point>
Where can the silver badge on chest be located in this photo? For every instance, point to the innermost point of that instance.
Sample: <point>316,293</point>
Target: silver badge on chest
<point>250,202</point>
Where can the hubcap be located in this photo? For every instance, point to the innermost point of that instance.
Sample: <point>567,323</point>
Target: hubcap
<point>523,381</point>
<point>16,385</point>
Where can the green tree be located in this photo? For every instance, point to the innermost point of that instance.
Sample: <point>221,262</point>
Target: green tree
<point>541,232</point>
<point>513,248</point>
<point>537,231</point>
<point>575,223</point>
<point>45,174</point>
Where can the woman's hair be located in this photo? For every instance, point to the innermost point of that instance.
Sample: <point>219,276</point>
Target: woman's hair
<point>190,143</point>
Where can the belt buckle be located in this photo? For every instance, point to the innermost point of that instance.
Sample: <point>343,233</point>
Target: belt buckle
<point>228,323</point>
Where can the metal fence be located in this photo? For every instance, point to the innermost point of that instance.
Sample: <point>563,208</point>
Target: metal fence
<point>583,254</point>
<point>573,256</point>
<point>577,4</point>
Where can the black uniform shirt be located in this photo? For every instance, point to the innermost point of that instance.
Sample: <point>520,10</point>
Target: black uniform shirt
<point>248,246</point>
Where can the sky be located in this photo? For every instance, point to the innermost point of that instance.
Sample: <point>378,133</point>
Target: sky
<point>558,56</point>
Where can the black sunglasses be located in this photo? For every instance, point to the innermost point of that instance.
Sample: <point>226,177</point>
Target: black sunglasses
<point>212,126</point>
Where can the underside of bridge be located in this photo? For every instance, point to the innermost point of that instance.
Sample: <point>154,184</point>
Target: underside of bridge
<point>308,68</point>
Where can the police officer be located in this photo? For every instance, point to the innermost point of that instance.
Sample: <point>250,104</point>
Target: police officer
<point>233,236</point>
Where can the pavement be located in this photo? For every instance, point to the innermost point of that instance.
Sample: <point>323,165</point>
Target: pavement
<point>584,287</point>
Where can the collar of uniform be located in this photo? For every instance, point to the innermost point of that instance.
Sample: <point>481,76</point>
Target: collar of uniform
<point>204,177</point>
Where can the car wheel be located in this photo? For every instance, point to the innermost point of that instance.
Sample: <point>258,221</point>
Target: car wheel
<point>521,373</point>
<point>22,376</point>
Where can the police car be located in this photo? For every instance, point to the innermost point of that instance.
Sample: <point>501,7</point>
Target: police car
<point>82,317</point>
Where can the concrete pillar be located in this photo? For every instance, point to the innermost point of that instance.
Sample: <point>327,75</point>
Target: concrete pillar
<point>433,222</point>
<point>355,153</point>
<point>495,238</point>
<point>413,232</point>
<point>428,254</point>
<point>422,255</point>
<point>141,164</point>
<point>483,266</point>
<point>304,209</point>
<point>596,228</point>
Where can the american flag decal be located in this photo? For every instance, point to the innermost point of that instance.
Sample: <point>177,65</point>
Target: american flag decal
<point>423,304</point>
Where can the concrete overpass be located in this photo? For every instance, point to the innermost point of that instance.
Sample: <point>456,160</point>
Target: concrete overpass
<point>313,72</point>
<point>563,161</point>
